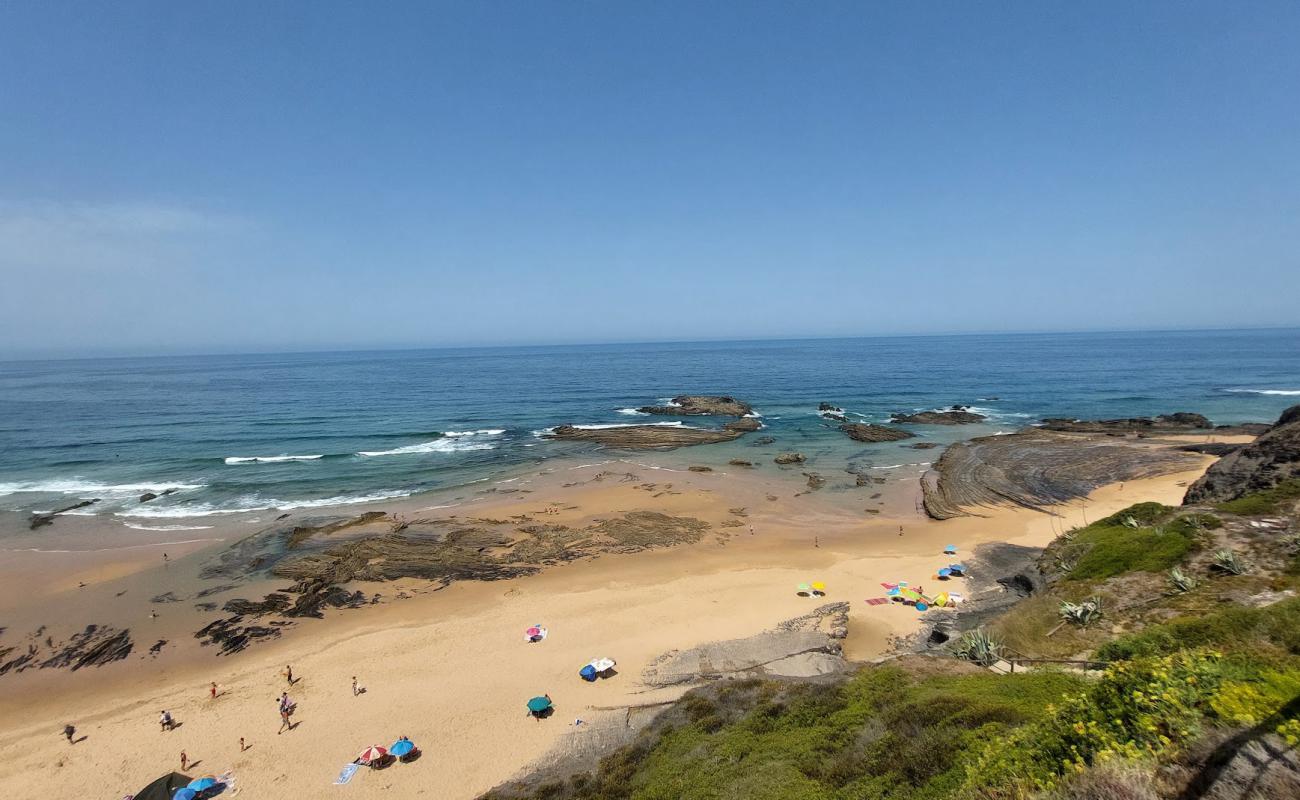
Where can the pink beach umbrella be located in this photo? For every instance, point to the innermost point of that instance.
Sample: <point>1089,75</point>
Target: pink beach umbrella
<point>372,754</point>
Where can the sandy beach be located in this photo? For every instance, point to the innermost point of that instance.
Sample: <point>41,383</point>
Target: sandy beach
<point>449,668</point>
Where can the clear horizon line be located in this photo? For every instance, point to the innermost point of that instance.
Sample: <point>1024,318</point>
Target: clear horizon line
<point>398,348</point>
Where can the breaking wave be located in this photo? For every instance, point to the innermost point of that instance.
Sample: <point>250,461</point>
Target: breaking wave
<point>268,459</point>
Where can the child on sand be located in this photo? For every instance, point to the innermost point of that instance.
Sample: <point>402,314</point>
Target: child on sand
<point>212,690</point>
<point>185,761</point>
<point>69,731</point>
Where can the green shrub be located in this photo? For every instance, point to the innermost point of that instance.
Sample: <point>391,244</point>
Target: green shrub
<point>1269,501</point>
<point>1105,551</point>
<point>1232,627</point>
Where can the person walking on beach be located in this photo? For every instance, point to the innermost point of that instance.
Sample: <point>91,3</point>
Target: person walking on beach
<point>185,761</point>
<point>69,731</point>
<point>288,674</point>
<point>242,748</point>
<point>284,721</point>
<point>212,690</point>
<point>165,721</point>
<point>355,689</point>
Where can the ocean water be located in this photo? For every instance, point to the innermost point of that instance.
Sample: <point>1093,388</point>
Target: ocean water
<point>236,433</point>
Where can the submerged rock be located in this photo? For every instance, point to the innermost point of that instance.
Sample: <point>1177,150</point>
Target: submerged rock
<point>790,458</point>
<point>867,432</point>
<point>1176,422</point>
<point>955,417</point>
<point>701,405</point>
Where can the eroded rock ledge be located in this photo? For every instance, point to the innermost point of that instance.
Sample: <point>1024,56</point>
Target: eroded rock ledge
<point>1036,468</point>
<point>1264,463</point>
<point>956,416</point>
<point>644,437</point>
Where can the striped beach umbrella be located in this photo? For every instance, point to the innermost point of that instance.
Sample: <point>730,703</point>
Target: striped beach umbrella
<point>372,754</point>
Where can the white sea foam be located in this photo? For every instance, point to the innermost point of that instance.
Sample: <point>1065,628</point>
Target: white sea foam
<point>253,503</point>
<point>451,442</point>
<point>268,459</point>
<point>80,486</point>
<point>1283,392</point>
<point>632,412</point>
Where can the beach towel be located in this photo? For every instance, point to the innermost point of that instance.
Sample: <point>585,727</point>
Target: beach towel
<point>877,601</point>
<point>346,774</point>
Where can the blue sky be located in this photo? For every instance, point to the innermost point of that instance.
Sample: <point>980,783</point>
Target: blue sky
<point>212,177</point>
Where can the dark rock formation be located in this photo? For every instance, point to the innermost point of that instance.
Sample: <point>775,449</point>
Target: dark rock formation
<point>815,481</point>
<point>41,520</point>
<point>790,458</point>
<point>147,496</point>
<point>744,425</point>
<point>763,440</point>
<point>866,432</point>
<point>231,635</point>
<point>828,407</point>
<point>1211,448</point>
<point>697,405</point>
<point>94,647</point>
<point>954,417</point>
<point>923,445</point>
<point>740,462</point>
<point>1178,422</point>
<point>1264,463</point>
<point>643,437</point>
<point>1035,468</point>
<point>698,468</point>
<point>272,603</point>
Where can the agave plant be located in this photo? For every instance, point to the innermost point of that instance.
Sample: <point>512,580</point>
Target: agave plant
<point>979,646</point>
<point>1130,522</point>
<point>1228,561</point>
<point>1085,613</point>
<point>1181,581</point>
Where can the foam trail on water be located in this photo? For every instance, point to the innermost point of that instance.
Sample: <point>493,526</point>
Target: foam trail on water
<point>268,459</point>
<point>1282,392</point>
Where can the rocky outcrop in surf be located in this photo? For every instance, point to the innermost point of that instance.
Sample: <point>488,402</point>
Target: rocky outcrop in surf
<point>744,425</point>
<point>1178,422</point>
<point>868,432</point>
<point>690,405</point>
<point>955,416</point>
<point>785,459</point>
<point>1036,468</point>
<point>643,437</point>
<point>41,520</point>
<point>1264,463</point>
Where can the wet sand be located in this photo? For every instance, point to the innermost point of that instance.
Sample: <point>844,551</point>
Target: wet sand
<point>450,668</point>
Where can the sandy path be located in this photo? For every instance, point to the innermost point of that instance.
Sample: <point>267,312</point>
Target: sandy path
<point>451,671</point>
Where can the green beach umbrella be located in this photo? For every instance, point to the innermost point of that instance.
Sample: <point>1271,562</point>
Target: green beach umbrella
<point>539,704</point>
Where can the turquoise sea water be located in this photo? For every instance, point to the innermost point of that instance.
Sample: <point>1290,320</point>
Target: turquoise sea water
<point>303,430</point>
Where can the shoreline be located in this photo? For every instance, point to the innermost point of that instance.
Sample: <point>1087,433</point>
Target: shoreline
<point>444,667</point>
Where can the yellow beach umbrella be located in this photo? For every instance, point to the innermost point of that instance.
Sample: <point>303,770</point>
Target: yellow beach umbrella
<point>818,586</point>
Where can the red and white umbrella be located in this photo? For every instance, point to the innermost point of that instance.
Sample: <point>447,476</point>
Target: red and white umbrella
<point>372,754</point>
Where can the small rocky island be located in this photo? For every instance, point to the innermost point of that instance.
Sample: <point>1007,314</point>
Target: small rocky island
<point>867,432</point>
<point>645,437</point>
<point>957,415</point>
<point>691,405</point>
<point>1180,421</point>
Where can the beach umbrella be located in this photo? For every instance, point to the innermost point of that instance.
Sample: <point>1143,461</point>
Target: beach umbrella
<point>372,754</point>
<point>921,606</point>
<point>950,550</point>
<point>203,784</point>
<point>818,586</point>
<point>945,573</point>
<point>588,673</point>
<point>402,747</point>
<point>957,569</point>
<point>539,704</point>
<point>185,793</point>
<point>804,588</point>
<point>534,634</point>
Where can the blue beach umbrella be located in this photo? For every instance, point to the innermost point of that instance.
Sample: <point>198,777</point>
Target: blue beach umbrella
<point>402,747</point>
<point>539,704</point>
<point>202,784</point>
<point>185,793</point>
